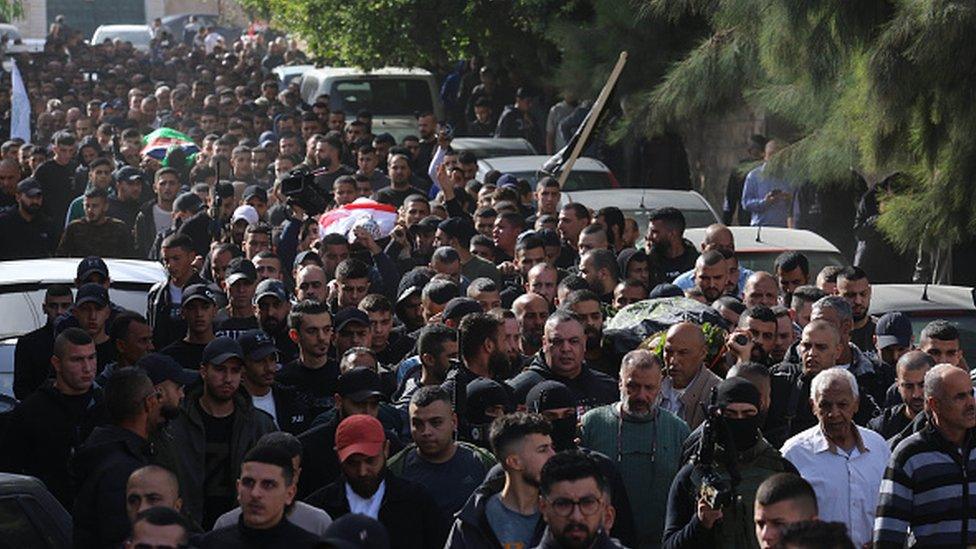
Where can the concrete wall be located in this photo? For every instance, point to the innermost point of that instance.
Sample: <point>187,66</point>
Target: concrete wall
<point>34,22</point>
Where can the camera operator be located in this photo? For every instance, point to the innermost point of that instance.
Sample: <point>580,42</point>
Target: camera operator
<point>711,499</point>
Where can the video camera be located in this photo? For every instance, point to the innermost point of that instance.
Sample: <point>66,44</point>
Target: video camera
<point>717,488</point>
<point>299,188</point>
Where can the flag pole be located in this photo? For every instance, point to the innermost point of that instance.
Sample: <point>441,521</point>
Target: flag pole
<point>592,117</point>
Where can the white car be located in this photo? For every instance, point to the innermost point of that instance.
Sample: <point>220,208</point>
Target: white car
<point>589,174</point>
<point>22,287</point>
<point>393,95</point>
<point>288,73</point>
<point>491,147</point>
<point>639,203</point>
<point>138,35</point>
<point>757,247</point>
<point>923,303</point>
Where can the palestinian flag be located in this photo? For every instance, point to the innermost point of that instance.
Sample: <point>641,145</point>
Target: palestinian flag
<point>160,141</point>
<point>376,217</point>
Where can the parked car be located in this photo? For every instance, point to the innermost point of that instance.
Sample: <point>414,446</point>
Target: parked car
<point>31,516</point>
<point>588,173</point>
<point>393,95</point>
<point>639,203</point>
<point>288,73</point>
<point>138,35</point>
<point>22,287</point>
<point>491,147</point>
<point>924,303</point>
<point>757,247</point>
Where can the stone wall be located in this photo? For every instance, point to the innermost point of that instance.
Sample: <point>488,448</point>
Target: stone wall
<point>715,146</point>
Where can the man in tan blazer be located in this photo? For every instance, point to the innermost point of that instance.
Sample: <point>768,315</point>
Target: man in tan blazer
<point>688,383</point>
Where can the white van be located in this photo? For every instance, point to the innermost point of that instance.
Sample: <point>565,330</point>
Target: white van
<point>393,95</point>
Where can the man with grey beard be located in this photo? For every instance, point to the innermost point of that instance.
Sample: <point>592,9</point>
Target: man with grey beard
<point>642,438</point>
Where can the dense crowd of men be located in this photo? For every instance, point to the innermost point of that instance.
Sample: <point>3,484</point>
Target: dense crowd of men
<point>450,384</point>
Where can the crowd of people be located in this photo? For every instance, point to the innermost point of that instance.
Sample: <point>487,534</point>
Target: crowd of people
<point>449,384</point>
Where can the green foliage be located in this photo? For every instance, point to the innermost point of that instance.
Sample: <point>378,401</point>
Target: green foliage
<point>878,86</point>
<point>421,33</point>
<point>11,9</point>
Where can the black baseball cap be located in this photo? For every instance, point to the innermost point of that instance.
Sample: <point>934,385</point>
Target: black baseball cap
<point>221,350</point>
<point>359,384</point>
<point>460,228</point>
<point>198,291</point>
<point>357,531</point>
<point>224,189</point>
<point>240,268</point>
<point>252,191</point>
<point>307,255</point>
<point>188,202</point>
<point>271,287</point>
<point>30,187</point>
<point>893,329</point>
<point>91,265</point>
<point>350,315</point>
<point>160,368</point>
<point>129,173</point>
<point>256,344</point>
<point>92,293</point>
<point>459,307</point>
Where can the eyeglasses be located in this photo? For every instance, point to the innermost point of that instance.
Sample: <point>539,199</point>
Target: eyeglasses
<point>563,507</point>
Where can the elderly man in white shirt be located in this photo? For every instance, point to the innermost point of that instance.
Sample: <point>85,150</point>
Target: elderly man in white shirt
<point>843,462</point>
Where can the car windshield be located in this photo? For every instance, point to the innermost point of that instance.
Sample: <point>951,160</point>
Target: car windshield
<point>381,96</point>
<point>136,38</point>
<point>763,261</point>
<point>964,321</point>
<point>490,151</point>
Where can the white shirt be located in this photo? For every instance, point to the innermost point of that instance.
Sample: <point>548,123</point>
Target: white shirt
<point>162,219</point>
<point>266,403</point>
<point>211,41</point>
<point>847,484</point>
<point>671,397</point>
<point>369,507</point>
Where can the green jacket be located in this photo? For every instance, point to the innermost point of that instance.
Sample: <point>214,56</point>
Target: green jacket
<point>648,456</point>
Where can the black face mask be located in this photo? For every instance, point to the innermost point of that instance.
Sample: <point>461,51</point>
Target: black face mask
<point>564,433</point>
<point>744,432</point>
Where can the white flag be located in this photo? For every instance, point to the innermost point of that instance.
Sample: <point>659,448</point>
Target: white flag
<point>20,109</point>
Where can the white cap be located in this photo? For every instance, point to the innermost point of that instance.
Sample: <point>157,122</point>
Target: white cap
<point>247,213</point>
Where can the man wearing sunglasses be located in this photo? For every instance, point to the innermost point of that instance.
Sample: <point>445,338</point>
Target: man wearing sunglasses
<point>574,499</point>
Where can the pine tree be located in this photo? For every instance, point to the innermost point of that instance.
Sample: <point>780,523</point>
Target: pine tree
<point>880,86</point>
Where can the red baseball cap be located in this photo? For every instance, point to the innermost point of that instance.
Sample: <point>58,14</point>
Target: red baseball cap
<point>359,434</point>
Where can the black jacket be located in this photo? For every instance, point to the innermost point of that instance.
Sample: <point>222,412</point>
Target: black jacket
<point>891,421</point>
<point>602,541</point>
<point>145,231</point>
<point>32,360</point>
<point>293,412</point>
<point>166,328</point>
<point>591,388</point>
<point>186,441</point>
<point>471,529</point>
<point>44,431</point>
<point>320,463</point>
<point>284,535</point>
<point>408,512</point>
<point>102,468</point>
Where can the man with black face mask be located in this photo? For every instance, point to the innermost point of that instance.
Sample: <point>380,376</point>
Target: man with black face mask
<point>741,457</point>
<point>644,439</point>
<point>487,400</point>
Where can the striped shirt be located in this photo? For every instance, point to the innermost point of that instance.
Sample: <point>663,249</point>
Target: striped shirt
<point>929,489</point>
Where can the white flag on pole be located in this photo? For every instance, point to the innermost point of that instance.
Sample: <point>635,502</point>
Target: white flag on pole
<point>20,109</point>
